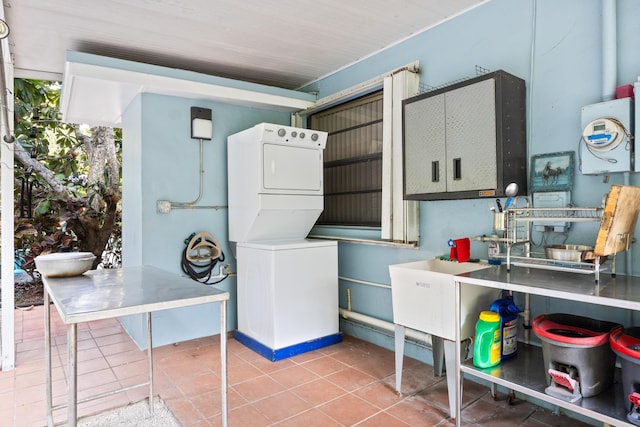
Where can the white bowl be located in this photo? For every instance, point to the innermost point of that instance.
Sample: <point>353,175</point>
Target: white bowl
<point>64,264</point>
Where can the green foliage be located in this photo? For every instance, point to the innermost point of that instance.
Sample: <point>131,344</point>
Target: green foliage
<point>56,146</point>
<point>39,129</point>
<point>49,140</point>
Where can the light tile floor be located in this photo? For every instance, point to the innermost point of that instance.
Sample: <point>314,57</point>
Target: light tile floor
<point>347,384</point>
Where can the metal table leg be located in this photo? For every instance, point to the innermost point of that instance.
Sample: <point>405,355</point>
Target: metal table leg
<point>458,358</point>
<point>72,374</point>
<point>223,360</point>
<point>47,357</point>
<point>150,361</point>
<point>399,334</point>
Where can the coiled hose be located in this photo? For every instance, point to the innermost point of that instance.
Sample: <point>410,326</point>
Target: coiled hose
<point>200,256</point>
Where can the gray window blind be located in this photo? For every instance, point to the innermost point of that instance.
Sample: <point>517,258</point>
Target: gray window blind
<point>352,161</point>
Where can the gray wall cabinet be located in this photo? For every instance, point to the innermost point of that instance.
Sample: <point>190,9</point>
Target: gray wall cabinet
<point>466,140</point>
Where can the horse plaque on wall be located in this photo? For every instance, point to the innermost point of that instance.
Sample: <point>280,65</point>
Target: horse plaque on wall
<point>552,171</point>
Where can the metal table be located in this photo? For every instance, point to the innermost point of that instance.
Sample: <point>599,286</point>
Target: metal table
<point>104,294</point>
<point>523,373</point>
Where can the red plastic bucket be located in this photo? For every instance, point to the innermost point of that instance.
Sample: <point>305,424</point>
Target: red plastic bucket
<point>626,344</point>
<point>570,329</point>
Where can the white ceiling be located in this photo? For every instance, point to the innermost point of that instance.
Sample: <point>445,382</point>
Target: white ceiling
<point>283,43</point>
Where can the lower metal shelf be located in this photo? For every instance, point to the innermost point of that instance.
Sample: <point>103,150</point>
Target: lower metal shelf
<point>525,373</point>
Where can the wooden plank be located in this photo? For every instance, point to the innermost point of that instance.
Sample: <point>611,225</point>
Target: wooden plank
<point>618,220</point>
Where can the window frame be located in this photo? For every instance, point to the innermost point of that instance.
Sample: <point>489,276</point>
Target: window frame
<point>400,218</point>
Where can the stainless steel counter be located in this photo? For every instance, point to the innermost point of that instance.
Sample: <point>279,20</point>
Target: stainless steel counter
<point>620,291</point>
<point>519,374</point>
<point>102,294</point>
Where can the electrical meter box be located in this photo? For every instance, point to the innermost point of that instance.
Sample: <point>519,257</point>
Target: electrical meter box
<point>607,144</point>
<point>552,199</point>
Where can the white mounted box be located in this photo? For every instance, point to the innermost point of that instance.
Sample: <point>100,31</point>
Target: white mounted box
<point>618,159</point>
<point>551,199</point>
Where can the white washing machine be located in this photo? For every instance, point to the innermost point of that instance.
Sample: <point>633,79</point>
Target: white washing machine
<point>287,298</point>
<point>287,284</point>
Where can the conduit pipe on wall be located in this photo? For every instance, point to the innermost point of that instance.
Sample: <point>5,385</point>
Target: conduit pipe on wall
<point>609,50</point>
<point>8,137</point>
<point>383,324</point>
<point>610,77</point>
<point>165,206</point>
<point>373,321</point>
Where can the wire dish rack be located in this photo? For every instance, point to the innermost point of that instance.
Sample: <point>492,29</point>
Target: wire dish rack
<point>518,222</point>
<point>557,214</point>
<point>617,220</point>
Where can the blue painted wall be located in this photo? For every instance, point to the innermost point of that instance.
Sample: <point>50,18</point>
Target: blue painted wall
<point>161,162</point>
<point>554,45</point>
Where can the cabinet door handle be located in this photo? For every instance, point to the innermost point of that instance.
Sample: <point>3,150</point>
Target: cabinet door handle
<point>457,168</point>
<point>435,171</point>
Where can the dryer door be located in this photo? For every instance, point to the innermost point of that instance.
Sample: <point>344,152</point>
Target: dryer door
<point>290,169</point>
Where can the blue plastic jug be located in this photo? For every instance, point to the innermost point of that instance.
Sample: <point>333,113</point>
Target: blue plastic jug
<point>508,311</point>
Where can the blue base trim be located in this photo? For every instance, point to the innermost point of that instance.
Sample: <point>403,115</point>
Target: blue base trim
<point>282,353</point>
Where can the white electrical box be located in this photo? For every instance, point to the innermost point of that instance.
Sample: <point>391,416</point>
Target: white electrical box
<point>551,199</point>
<point>607,145</point>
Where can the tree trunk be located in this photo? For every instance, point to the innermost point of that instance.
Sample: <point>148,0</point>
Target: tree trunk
<point>103,180</point>
<point>93,228</point>
<point>95,221</point>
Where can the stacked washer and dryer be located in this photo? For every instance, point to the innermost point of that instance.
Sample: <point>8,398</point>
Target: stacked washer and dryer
<point>287,284</point>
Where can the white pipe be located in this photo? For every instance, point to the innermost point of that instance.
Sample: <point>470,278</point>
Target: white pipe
<point>7,331</point>
<point>383,324</point>
<point>364,282</point>
<point>373,321</point>
<point>178,205</point>
<point>609,77</point>
<point>8,136</point>
<point>165,206</point>
<point>532,59</point>
<point>609,50</point>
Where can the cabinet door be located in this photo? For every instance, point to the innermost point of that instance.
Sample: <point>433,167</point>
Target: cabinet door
<point>424,146</point>
<point>471,137</point>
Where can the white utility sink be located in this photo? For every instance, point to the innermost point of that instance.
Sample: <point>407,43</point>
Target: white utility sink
<point>423,298</point>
